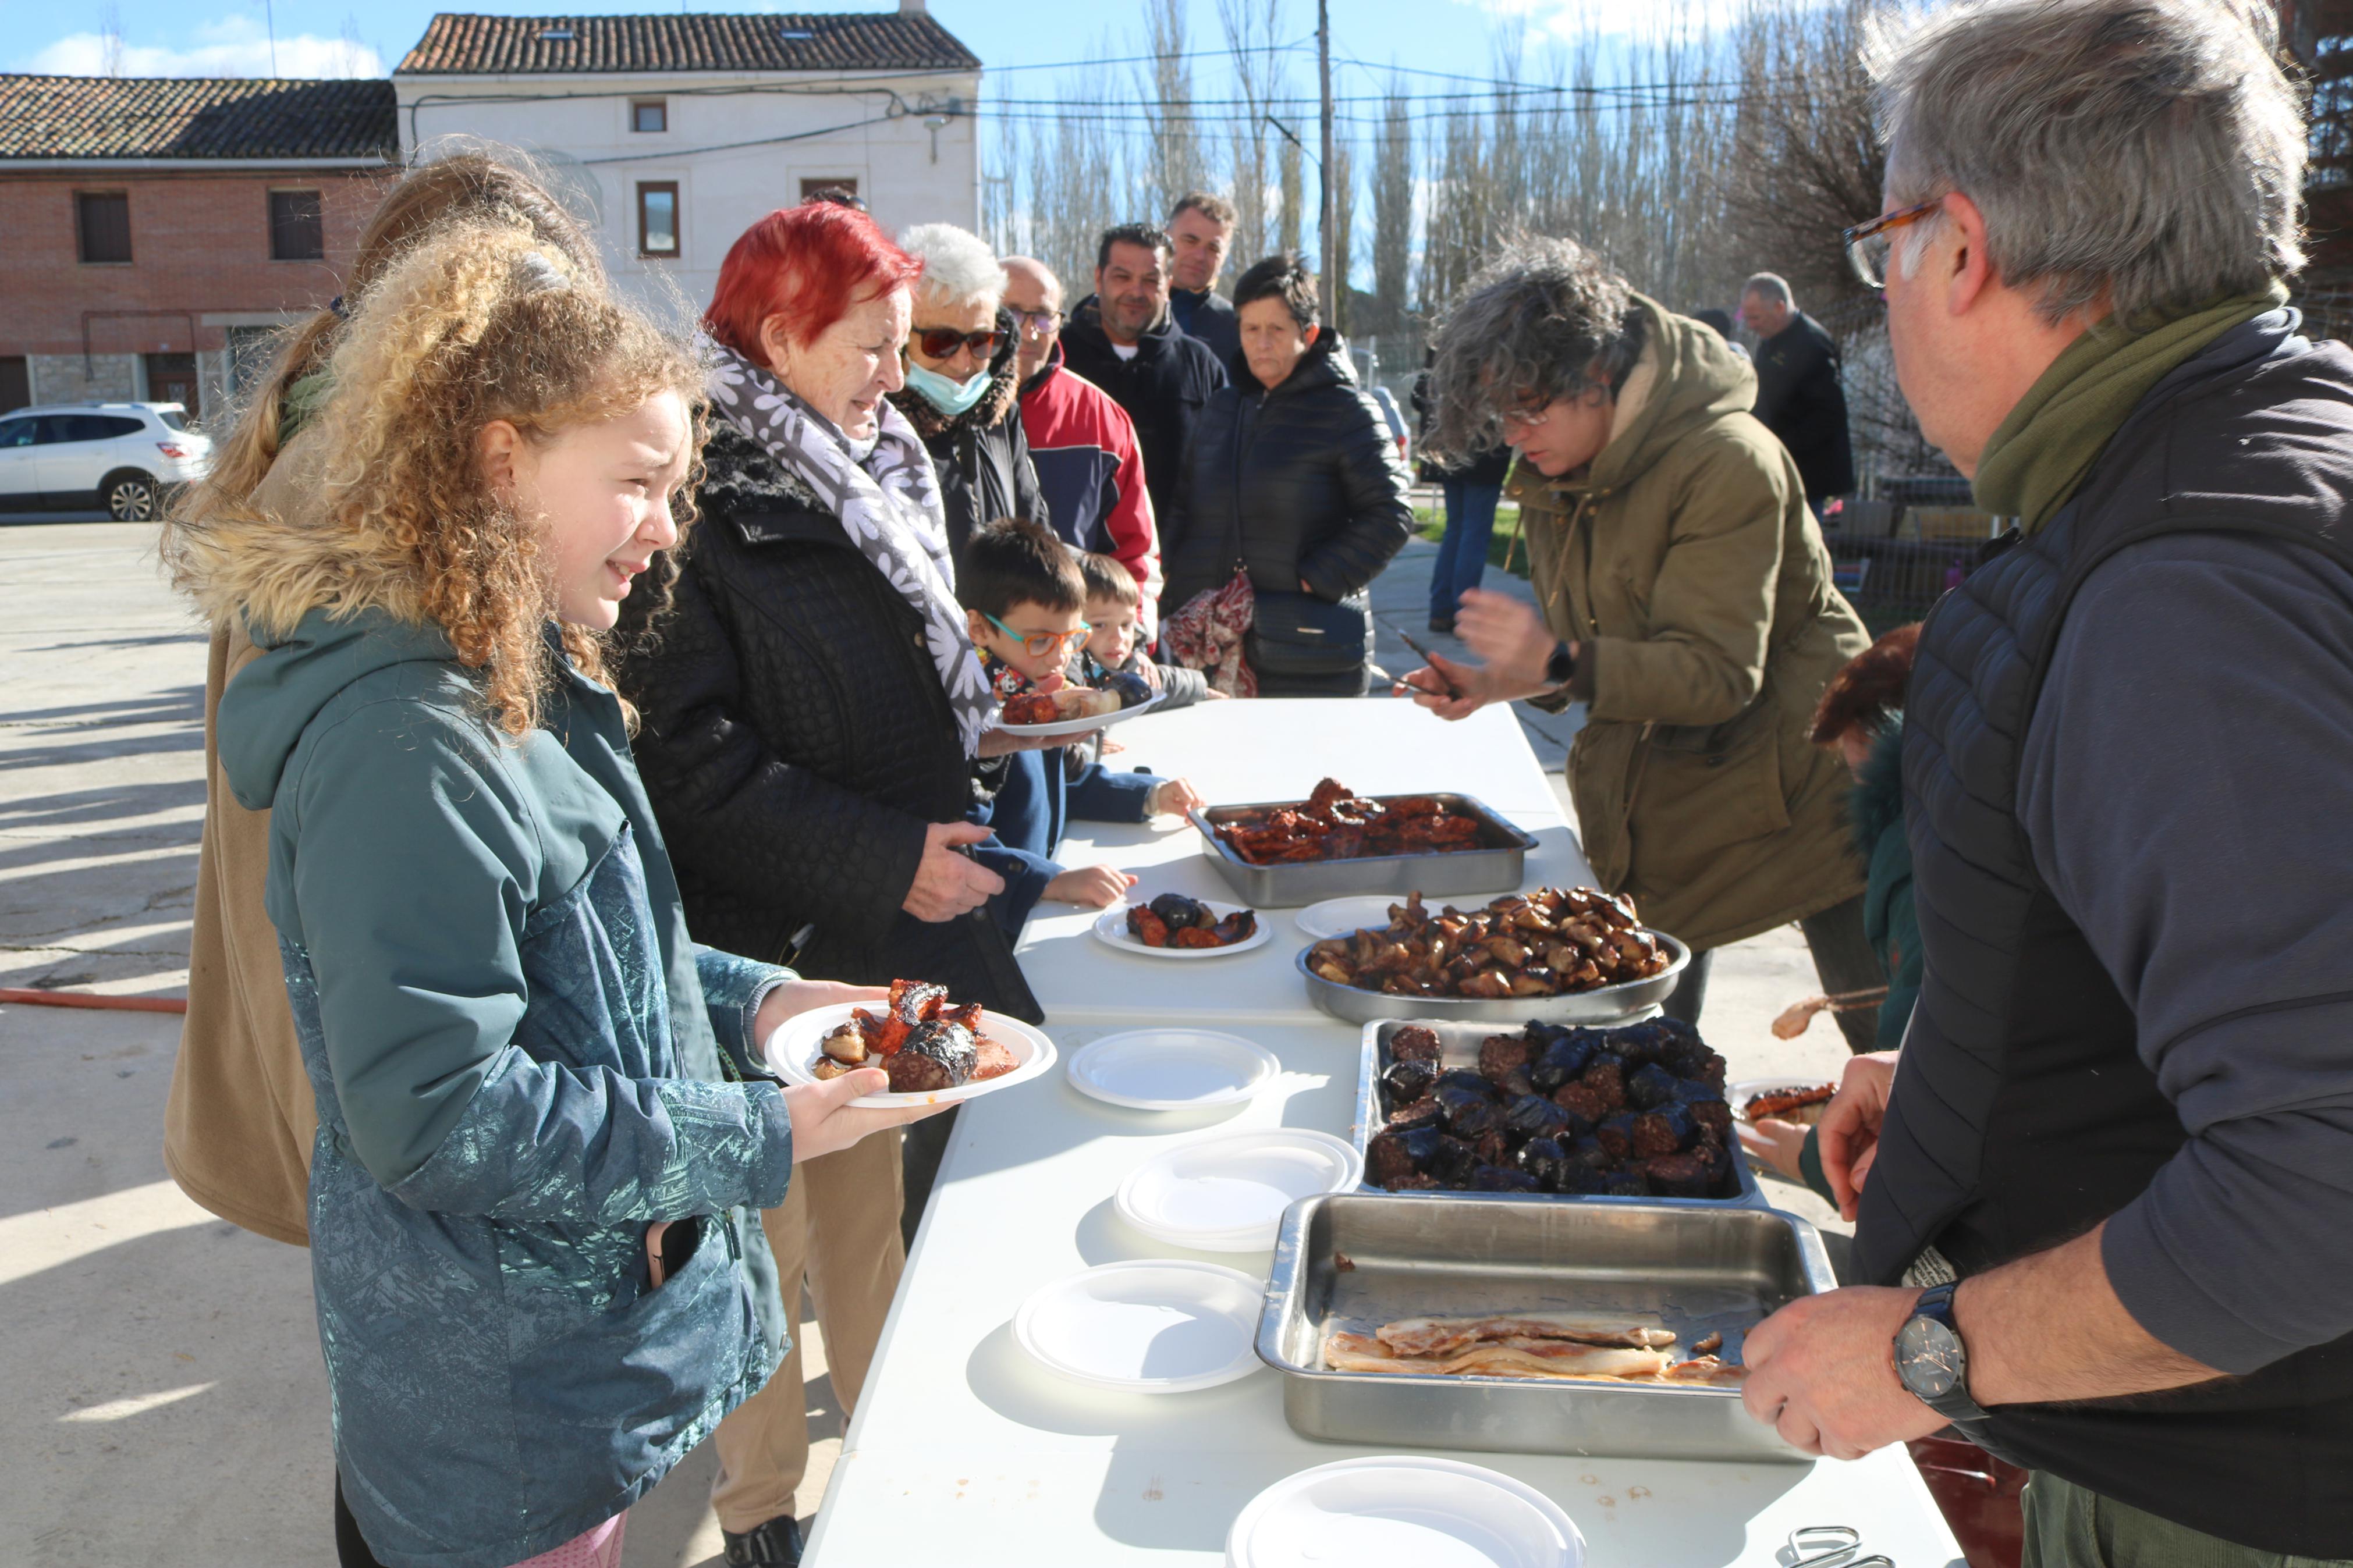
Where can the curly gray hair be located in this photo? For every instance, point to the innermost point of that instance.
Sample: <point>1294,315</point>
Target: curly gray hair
<point>1543,320</point>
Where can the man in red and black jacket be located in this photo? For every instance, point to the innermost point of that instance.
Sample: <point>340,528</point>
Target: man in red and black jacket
<point>1082,443</point>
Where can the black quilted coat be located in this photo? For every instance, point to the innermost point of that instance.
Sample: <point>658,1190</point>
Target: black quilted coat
<point>796,743</point>
<point>982,454</point>
<point>1300,483</point>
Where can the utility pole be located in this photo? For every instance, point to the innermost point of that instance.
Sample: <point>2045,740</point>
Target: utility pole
<point>1334,288</point>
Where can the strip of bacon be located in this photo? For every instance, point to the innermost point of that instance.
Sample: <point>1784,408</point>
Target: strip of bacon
<point>1442,1336</point>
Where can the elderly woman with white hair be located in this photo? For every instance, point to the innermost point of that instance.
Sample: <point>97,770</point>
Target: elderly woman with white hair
<point>962,387</point>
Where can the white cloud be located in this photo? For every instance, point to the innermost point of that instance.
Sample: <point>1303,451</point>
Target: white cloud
<point>226,46</point>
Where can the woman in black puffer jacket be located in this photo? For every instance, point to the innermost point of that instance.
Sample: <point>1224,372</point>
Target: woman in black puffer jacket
<point>1291,477</point>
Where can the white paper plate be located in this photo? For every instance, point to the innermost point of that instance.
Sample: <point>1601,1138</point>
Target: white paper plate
<point>1347,917</point>
<point>1739,1094</point>
<point>1110,929</point>
<point>1171,1070</point>
<point>1432,1513</point>
<point>1228,1195</point>
<point>1153,1326</point>
<point>1084,726</point>
<point>792,1051</point>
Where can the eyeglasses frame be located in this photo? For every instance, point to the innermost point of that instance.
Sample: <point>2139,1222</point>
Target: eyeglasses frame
<point>983,345</point>
<point>1852,237</point>
<point>1056,642</point>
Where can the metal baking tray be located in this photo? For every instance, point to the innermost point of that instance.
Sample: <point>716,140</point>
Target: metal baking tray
<point>1703,1272</point>
<point>1497,866</point>
<point>1458,1046</point>
<point>1618,1003</point>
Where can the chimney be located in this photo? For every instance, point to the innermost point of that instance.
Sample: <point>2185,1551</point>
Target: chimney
<point>911,7</point>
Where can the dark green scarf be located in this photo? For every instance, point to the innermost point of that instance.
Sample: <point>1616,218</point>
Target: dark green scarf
<point>2041,451</point>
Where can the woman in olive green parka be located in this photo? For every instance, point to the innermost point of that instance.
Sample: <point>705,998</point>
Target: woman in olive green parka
<point>1685,598</point>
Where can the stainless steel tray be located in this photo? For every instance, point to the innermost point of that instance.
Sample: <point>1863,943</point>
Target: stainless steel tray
<point>1703,1272</point>
<point>1458,1046</point>
<point>1498,866</point>
<point>1615,1003</point>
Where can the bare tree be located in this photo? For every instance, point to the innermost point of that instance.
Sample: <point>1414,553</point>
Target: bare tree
<point>1166,89</point>
<point>1250,27</point>
<point>1392,180</point>
<point>1344,225</point>
<point>1292,177</point>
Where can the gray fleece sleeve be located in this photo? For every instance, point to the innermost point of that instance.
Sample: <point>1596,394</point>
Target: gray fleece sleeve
<point>2186,783</point>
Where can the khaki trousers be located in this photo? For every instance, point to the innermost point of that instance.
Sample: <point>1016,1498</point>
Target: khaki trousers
<point>2068,1525</point>
<point>838,1225</point>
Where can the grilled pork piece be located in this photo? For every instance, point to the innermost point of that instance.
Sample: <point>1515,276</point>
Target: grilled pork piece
<point>935,1056</point>
<point>1344,1352</point>
<point>1442,1336</point>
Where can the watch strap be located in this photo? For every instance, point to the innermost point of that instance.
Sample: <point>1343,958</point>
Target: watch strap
<point>1562,665</point>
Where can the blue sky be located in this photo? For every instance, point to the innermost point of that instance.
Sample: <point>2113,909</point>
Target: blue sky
<point>341,38</point>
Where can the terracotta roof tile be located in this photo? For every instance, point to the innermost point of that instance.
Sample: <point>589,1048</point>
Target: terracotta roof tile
<point>457,43</point>
<point>178,117</point>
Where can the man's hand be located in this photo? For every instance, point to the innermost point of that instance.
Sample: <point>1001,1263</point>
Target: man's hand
<point>1509,635</point>
<point>1849,1126</point>
<point>1821,1371</point>
<point>1475,685</point>
<point>1090,887</point>
<point>823,1121</point>
<point>798,996</point>
<point>948,884</point>
<point>1173,798</point>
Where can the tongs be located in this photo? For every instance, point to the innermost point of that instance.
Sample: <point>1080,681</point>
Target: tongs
<point>1832,1546</point>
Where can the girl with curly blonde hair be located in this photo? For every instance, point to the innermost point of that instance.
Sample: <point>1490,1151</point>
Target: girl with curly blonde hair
<point>541,1146</point>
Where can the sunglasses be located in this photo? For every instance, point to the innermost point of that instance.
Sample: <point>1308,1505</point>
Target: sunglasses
<point>1039,322</point>
<point>1040,644</point>
<point>940,342</point>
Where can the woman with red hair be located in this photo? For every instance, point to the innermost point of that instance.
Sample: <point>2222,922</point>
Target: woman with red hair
<point>811,705</point>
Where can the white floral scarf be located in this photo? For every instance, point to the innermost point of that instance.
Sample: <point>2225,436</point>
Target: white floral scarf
<point>888,503</point>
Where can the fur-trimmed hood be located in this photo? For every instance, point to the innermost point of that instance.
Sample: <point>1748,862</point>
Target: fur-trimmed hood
<point>277,561</point>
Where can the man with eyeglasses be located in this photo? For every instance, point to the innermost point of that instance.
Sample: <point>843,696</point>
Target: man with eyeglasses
<point>1123,338</point>
<point>964,384</point>
<point>2102,1193</point>
<point>1090,469</point>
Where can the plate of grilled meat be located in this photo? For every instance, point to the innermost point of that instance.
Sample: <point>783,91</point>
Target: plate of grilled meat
<point>1077,709</point>
<point>1175,926</point>
<point>936,1049</point>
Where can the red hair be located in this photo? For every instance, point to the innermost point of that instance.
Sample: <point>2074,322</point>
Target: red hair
<point>806,264</point>
<point>1870,687</point>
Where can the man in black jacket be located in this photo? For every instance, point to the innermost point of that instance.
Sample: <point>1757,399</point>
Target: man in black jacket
<point>1201,234</point>
<point>1799,398</point>
<point>2102,1190</point>
<point>1123,338</point>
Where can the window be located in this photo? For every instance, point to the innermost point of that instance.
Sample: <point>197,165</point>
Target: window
<point>298,228</point>
<point>15,383</point>
<point>649,115</point>
<point>847,184</point>
<point>104,220</point>
<point>172,418</point>
<point>87,427</point>
<point>18,432</point>
<point>658,219</point>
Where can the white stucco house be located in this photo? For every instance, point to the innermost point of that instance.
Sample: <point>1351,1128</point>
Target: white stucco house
<point>677,130</point>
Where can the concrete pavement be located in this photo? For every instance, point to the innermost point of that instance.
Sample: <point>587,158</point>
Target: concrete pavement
<point>165,1399</point>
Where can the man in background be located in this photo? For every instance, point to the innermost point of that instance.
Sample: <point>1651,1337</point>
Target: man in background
<point>1201,231</point>
<point>1799,398</point>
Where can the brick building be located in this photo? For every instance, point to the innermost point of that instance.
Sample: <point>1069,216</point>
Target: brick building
<point>158,231</point>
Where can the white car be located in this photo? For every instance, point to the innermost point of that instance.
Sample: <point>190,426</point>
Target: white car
<point>123,456</point>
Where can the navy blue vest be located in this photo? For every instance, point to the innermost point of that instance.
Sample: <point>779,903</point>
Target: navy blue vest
<point>2022,1114</point>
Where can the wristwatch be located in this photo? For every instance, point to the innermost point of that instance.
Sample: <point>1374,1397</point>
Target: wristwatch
<point>1931,1360</point>
<point>1561,666</point>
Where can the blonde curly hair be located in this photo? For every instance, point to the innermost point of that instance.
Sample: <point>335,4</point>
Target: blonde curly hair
<point>478,322</point>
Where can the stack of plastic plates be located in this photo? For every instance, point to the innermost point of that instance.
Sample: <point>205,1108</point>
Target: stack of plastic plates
<point>1171,1070</point>
<point>1432,1513</point>
<point>1156,1326</point>
<point>1228,1195</point>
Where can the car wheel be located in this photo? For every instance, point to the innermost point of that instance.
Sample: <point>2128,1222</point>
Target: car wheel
<point>130,497</point>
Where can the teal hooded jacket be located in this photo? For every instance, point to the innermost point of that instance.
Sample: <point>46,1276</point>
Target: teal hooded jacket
<point>520,1062</point>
